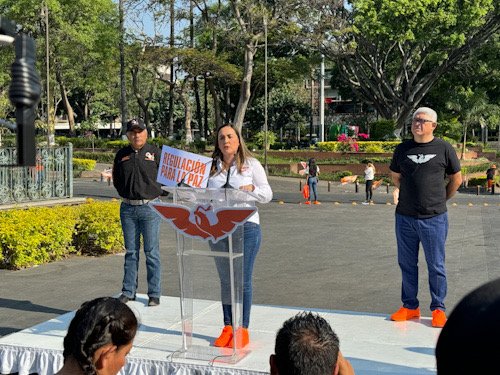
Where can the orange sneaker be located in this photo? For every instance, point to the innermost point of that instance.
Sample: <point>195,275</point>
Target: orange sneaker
<point>438,318</point>
<point>316,202</point>
<point>404,314</point>
<point>242,338</point>
<point>225,337</point>
<point>307,202</point>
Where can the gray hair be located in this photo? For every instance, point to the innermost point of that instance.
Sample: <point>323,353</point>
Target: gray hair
<point>428,111</point>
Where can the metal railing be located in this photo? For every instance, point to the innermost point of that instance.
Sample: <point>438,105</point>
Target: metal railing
<point>51,178</point>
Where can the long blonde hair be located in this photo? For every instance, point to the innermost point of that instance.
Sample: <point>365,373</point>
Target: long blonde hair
<point>241,155</point>
<point>370,165</point>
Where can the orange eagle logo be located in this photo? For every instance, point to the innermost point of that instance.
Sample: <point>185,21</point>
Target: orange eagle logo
<point>202,221</point>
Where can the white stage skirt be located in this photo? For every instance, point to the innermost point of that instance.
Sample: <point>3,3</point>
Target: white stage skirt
<point>373,344</point>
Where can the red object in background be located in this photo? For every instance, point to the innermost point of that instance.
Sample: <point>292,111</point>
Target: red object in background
<point>305,191</point>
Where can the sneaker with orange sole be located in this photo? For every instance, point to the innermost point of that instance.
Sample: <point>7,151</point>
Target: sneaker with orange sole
<point>404,314</point>
<point>225,337</point>
<point>316,202</point>
<point>242,338</point>
<point>438,318</point>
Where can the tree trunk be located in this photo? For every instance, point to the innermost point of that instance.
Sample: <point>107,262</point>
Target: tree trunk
<point>187,111</point>
<point>142,101</point>
<point>462,154</point>
<point>64,97</point>
<point>205,100</point>
<point>239,116</point>
<point>199,116</point>
<point>215,98</point>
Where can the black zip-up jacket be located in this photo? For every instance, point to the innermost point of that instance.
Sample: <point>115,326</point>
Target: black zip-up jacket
<point>134,172</point>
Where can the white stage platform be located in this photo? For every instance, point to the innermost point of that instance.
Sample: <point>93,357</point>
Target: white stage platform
<point>373,344</point>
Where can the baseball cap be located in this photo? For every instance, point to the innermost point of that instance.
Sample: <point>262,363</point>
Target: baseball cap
<point>135,123</point>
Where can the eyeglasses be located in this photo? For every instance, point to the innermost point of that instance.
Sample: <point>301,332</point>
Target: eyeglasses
<point>420,121</point>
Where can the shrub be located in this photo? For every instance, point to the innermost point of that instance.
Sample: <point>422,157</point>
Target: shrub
<point>84,164</point>
<point>327,146</point>
<point>259,139</point>
<point>477,181</point>
<point>382,129</point>
<point>80,165</point>
<point>99,157</point>
<point>374,147</point>
<point>35,236</point>
<point>29,237</point>
<point>387,146</point>
<point>98,229</point>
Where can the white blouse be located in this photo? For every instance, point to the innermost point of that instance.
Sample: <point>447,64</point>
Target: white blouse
<point>369,173</point>
<point>253,173</point>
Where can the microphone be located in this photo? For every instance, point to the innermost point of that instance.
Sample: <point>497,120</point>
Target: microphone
<point>227,185</point>
<point>181,183</point>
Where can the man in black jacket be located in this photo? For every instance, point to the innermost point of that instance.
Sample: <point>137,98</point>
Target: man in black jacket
<point>134,176</point>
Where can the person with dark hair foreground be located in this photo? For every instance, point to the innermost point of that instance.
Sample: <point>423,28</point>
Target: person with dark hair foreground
<point>468,343</point>
<point>99,338</point>
<point>307,345</point>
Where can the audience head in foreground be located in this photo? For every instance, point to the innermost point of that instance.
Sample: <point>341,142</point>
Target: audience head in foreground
<point>468,343</point>
<point>99,338</point>
<point>306,344</point>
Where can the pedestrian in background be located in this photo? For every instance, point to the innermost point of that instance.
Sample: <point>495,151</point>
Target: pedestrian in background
<point>490,178</point>
<point>312,172</point>
<point>369,177</point>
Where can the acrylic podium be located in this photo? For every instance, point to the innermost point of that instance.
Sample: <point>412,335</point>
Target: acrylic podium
<point>209,229</point>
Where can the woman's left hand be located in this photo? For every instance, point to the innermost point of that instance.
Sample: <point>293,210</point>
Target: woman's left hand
<point>247,187</point>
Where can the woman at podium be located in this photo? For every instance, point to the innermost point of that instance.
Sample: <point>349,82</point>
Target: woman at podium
<point>234,167</point>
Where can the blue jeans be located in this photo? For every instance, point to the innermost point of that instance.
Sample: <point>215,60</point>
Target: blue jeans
<point>313,188</point>
<point>431,233</point>
<point>137,221</point>
<point>252,237</point>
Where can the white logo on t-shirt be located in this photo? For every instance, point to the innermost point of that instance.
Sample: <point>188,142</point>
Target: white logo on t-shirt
<point>421,158</point>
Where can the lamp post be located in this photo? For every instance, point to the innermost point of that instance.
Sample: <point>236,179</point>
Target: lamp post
<point>265,95</point>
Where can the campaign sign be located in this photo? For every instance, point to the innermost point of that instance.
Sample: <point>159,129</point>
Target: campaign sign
<point>182,167</point>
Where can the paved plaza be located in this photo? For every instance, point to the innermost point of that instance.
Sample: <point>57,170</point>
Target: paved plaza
<point>335,256</point>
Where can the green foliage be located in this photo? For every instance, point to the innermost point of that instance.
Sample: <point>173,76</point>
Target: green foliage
<point>259,139</point>
<point>388,146</point>
<point>477,181</point>
<point>80,165</point>
<point>99,157</point>
<point>382,129</point>
<point>35,236</point>
<point>98,229</point>
<point>475,168</point>
<point>373,147</point>
<point>288,108</point>
<point>84,164</point>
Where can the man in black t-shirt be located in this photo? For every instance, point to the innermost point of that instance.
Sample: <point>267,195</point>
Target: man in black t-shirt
<point>134,176</point>
<point>427,172</point>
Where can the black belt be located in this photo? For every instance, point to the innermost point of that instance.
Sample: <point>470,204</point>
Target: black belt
<point>136,202</point>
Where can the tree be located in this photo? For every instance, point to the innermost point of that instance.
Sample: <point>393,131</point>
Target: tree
<point>470,109</point>
<point>82,39</point>
<point>393,52</point>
